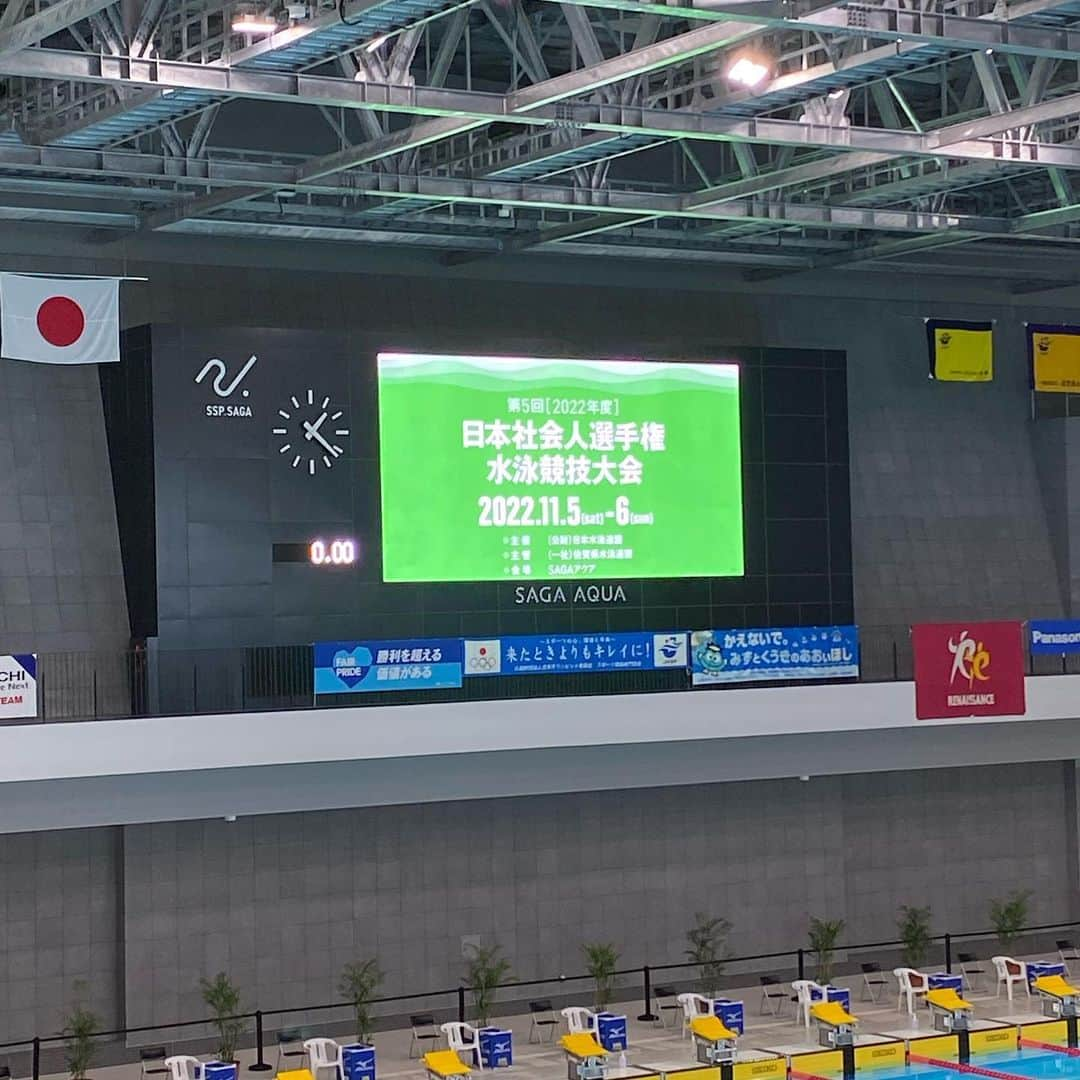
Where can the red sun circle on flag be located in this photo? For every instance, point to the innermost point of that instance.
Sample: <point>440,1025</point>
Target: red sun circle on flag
<point>60,321</point>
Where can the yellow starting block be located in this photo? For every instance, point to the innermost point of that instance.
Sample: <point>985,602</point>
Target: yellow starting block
<point>949,1010</point>
<point>441,1064</point>
<point>714,1040</point>
<point>1059,998</point>
<point>836,1026</point>
<point>585,1057</point>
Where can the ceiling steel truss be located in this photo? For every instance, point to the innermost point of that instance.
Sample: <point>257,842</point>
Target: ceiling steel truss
<point>941,134</point>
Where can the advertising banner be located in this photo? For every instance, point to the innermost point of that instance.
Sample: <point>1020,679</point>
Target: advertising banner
<point>1056,636</point>
<point>18,685</point>
<point>1054,358</point>
<point>960,351</point>
<point>968,669</point>
<point>548,654</point>
<point>761,655</point>
<point>351,667</point>
<point>538,469</point>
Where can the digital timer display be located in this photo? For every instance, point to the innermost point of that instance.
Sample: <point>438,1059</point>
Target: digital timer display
<point>333,551</point>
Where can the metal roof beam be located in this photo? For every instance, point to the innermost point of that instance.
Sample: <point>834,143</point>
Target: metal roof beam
<point>51,20</point>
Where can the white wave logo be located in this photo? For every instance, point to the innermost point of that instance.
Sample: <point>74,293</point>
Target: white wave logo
<point>222,389</point>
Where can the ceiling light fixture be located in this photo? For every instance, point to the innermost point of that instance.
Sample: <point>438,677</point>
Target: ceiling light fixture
<point>250,23</point>
<point>747,71</point>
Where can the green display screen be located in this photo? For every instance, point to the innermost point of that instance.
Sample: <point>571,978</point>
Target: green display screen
<point>507,468</point>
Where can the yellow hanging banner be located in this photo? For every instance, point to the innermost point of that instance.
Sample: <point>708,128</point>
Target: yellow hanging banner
<point>960,351</point>
<point>1054,357</point>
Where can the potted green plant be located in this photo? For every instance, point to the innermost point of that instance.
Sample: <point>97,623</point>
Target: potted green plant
<point>913,926</point>
<point>707,941</point>
<point>80,1027</point>
<point>601,960</point>
<point>823,936</point>
<point>223,1000</point>
<point>485,971</point>
<point>358,983</point>
<point>1009,916</point>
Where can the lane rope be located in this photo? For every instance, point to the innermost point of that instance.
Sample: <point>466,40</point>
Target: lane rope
<point>1072,1051</point>
<point>956,1066</point>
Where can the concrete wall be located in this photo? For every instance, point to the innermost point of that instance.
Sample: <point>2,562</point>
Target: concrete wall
<point>59,926</point>
<point>280,902</point>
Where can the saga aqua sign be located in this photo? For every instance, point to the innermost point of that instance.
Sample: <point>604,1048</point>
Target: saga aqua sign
<point>560,595</point>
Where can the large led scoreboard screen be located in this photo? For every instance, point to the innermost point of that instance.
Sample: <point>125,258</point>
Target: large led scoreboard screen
<point>516,469</point>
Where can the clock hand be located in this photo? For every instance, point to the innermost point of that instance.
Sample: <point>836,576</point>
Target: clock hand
<point>311,429</point>
<point>311,432</point>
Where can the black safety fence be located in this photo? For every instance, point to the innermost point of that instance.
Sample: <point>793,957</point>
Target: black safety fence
<point>645,992</point>
<point>88,686</point>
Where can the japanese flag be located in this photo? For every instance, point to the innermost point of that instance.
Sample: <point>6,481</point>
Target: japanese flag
<point>59,320</point>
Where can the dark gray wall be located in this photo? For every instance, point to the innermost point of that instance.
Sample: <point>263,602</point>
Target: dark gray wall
<point>61,586</point>
<point>947,513</point>
<point>226,496</point>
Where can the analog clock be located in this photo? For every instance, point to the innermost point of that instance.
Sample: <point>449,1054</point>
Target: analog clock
<point>312,432</point>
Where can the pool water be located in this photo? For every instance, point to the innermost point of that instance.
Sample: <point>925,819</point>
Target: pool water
<point>1028,1064</point>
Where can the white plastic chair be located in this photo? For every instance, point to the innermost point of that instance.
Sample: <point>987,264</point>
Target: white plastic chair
<point>1009,972</point>
<point>324,1054</point>
<point>579,1020</point>
<point>185,1067</point>
<point>464,1039</point>
<point>912,984</point>
<point>693,1006</point>
<point>805,989</point>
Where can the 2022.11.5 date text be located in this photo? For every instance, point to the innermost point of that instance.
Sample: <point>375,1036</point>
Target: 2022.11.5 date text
<point>522,511</point>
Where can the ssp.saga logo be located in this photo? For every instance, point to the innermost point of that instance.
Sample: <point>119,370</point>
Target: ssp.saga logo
<point>224,387</point>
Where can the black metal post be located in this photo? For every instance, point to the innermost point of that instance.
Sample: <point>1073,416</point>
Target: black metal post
<point>802,964</point>
<point>1071,1033</point>
<point>963,1039</point>
<point>646,976</point>
<point>847,1054</point>
<point>35,1068</point>
<point>194,688</point>
<point>95,694</point>
<point>948,953</point>
<point>461,1004</point>
<point>260,1065</point>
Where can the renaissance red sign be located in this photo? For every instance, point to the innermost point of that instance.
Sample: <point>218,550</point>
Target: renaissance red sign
<point>968,669</point>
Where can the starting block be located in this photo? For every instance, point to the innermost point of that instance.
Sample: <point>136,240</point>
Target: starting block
<point>714,1040</point>
<point>949,1010</point>
<point>836,1026</point>
<point>585,1057</point>
<point>441,1064</point>
<point>1059,998</point>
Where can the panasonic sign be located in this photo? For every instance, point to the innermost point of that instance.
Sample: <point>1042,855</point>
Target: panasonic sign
<point>1055,636</point>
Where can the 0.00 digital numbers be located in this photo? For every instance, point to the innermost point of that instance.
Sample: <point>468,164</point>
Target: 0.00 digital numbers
<point>334,553</point>
<point>525,510</point>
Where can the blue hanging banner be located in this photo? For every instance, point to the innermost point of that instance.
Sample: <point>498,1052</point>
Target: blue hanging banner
<point>790,652</point>
<point>352,667</point>
<point>548,654</point>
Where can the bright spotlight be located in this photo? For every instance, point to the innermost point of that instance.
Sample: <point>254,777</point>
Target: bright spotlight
<point>248,23</point>
<point>747,71</point>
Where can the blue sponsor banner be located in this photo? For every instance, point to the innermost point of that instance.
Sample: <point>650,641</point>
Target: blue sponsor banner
<point>351,667</point>
<point>789,652</point>
<point>544,654</point>
<point>1056,636</point>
